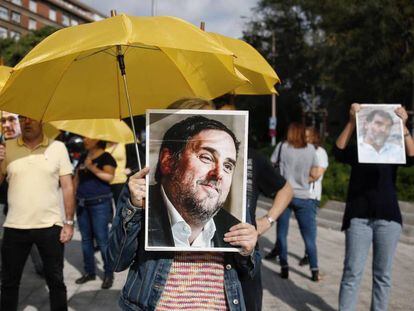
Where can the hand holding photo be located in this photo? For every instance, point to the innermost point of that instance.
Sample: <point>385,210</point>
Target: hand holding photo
<point>380,134</point>
<point>197,186</point>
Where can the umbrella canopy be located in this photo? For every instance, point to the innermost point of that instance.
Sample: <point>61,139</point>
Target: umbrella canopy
<point>4,75</point>
<point>74,74</point>
<point>252,65</point>
<point>112,130</point>
<point>49,130</point>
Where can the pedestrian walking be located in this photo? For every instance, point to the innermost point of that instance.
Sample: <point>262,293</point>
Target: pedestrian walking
<point>313,137</point>
<point>297,160</point>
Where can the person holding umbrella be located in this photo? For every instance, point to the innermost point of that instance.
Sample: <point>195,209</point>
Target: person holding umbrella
<point>94,173</point>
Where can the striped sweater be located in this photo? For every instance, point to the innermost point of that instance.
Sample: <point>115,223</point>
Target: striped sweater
<point>195,282</point>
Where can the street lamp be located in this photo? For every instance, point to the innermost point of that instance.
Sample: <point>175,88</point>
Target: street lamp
<point>153,7</point>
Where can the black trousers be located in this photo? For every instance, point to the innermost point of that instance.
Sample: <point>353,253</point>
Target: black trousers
<point>16,247</point>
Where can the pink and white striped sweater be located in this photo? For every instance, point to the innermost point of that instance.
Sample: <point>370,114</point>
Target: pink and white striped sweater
<point>195,282</point>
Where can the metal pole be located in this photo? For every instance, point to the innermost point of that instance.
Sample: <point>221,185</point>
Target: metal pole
<point>313,108</point>
<point>132,121</point>
<point>121,63</point>
<point>274,119</point>
<point>153,7</point>
<point>2,138</point>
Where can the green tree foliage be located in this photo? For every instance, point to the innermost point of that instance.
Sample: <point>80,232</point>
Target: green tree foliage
<point>295,60</point>
<point>13,51</point>
<point>346,50</point>
<point>369,51</point>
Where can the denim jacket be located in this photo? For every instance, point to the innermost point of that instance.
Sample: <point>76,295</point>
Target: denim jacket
<point>148,271</point>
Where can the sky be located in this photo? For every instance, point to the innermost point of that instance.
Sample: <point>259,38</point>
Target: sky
<point>226,17</point>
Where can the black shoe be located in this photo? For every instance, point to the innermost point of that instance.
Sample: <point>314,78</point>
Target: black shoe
<point>315,276</point>
<point>284,273</point>
<point>273,253</point>
<point>107,282</point>
<point>85,278</point>
<point>304,261</point>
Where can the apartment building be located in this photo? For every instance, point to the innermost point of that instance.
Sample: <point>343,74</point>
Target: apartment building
<point>17,17</point>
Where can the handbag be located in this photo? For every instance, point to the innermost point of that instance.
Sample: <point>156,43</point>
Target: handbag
<point>277,164</point>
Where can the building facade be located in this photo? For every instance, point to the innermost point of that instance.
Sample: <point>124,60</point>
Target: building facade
<point>18,17</point>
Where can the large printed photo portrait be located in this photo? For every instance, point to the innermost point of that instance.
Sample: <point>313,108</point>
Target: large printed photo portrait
<point>380,134</point>
<point>197,181</point>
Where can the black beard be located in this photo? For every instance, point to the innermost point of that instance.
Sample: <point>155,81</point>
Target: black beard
<point>192,210</point>
<point>195,209</point>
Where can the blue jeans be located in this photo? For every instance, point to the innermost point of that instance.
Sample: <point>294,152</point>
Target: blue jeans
<point>384,235</point>
<point>93,220</point>
<point>305,211</point>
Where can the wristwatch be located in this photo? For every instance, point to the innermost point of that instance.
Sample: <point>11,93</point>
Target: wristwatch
<point>69,222</point>
<point>270,219</point>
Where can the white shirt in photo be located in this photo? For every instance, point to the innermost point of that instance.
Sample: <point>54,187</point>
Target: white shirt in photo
<point>181,231</point>
<point>389,153</point>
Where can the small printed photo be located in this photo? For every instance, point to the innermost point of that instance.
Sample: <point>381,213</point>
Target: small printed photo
<point>380,134</point>
<point>197,180</point>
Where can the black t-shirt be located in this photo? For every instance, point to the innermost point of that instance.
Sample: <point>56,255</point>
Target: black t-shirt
<point>89,184</point>
<point>261,178</point>
<point>372,191</point>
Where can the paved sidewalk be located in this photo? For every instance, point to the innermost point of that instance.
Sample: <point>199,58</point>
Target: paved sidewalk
<point>300,293</point>
<point>297,293</point>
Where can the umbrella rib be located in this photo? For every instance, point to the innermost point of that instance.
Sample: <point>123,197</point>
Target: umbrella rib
<point>114,55</point>
<point>55,88</point>
<point>183,76</point>
<point>97,52</point>
<point>146,47</point>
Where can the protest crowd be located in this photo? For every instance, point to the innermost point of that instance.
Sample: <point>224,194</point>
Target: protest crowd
<point>167,217</point>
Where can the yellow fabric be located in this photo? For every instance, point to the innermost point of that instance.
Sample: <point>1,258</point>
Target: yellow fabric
<point>50,131</point>
<point>113,130</point>
<point>4,75</point>
<point>252,65</point>
<point>33,177</point>
<point>118,152</point>
<point>74,74</point>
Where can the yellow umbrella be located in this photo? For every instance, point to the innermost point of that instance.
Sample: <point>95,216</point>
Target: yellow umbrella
<point>74,74</point>
<point>80,72</point>
<point>112,130</point>
<point>4,75</point>
<point>252,65</point>
<point>50,131</point>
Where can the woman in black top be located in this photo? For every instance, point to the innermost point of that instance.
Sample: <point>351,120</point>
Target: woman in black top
<point>94,173</point>
<point>372,216</point>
